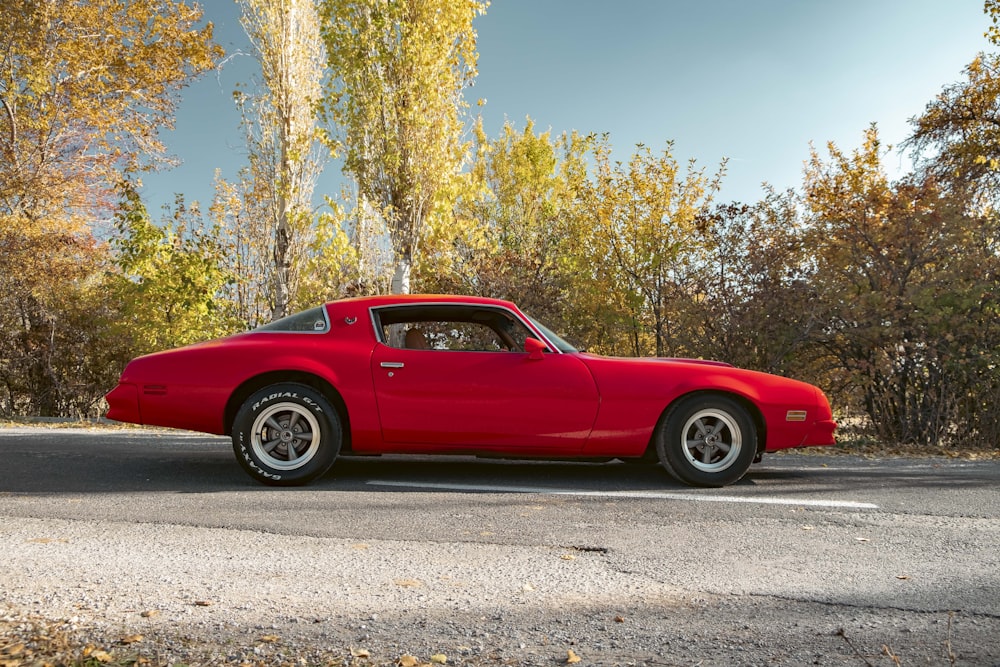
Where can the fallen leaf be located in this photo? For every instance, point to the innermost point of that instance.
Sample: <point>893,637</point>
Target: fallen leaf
<point>902,576</point>
<point>270,639</point>
<point>151,613</point>
<point>407,661</point>
<point>409,583</point>
<point>572,658</point>
<point>568,557</point>
<point>13,650</point>
<point>360,653</point>
<point>619,619</point>
<point>439,658</point>
<point>359,547</point>
<point>101,656</point>
<point>203,603</point>
<point>131,639</point>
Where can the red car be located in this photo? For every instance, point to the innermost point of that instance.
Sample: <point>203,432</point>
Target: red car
<point>463,375</point>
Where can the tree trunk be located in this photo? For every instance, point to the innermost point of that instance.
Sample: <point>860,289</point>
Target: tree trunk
<point>401,276</point>
<point>37,343</point>
<point>282,267</point>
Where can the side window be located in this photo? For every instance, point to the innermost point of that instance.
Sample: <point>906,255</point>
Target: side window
<point>450,335</point>
<point>452,328</point>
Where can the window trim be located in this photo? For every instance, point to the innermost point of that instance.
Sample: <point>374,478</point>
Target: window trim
<point>527,324</point>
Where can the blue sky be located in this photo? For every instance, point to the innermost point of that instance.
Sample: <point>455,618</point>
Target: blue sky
<point>754,81</point>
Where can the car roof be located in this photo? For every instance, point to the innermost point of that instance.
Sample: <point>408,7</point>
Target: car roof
<point>410,299</point>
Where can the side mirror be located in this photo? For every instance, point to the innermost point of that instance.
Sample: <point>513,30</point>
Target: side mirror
<point>535,349</point>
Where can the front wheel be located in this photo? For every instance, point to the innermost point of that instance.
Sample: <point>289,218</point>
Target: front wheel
<point>707,440</point>
<point>286,434</point>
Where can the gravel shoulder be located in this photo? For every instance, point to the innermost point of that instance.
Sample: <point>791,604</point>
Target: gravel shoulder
<point>210,596</point>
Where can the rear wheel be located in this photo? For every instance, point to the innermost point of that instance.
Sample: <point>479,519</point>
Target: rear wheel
<point>286,434</point>
<point>707,440</point>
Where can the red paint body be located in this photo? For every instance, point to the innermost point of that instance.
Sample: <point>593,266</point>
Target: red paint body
<point>561,404</point>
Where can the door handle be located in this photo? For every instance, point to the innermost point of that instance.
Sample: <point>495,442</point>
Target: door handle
<point>391,364</point>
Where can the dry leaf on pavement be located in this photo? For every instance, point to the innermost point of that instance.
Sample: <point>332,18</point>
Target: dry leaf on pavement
<point>12,651</point>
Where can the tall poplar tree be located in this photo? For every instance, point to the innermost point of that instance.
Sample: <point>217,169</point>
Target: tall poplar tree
<point>280,120</point>
<point>395,97</point>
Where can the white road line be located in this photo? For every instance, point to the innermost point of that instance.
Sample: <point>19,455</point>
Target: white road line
<point>761,500</point>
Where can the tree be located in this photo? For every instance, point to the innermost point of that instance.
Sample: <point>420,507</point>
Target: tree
<point>347,257</point>
<point>752,304</point>
<point>644,219</point>
<point>958,134</point>
<point>907,278</point>
<point>282,138</point>
<point>172,279</point>
<point>992,9</point>
<point>85,86</point>
<point>399,68</point>
<point>514,239</point>
<point>52,299</point>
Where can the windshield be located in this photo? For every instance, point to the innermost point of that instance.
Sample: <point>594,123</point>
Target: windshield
<point>552,336</point>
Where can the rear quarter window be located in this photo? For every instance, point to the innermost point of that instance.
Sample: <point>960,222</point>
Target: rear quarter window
<point>313,320</point>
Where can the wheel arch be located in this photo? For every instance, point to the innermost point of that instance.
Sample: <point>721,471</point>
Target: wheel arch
<point>755,414</point>
<point>320,384</point>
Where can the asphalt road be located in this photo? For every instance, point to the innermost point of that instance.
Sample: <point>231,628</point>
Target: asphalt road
<point>809,559</point>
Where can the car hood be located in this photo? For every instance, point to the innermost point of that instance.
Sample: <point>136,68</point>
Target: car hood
<point>644,361</point>
<point>701,362</point>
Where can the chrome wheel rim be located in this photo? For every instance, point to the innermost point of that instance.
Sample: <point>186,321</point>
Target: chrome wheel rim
<point>286,436</point>
<point>712,440</point>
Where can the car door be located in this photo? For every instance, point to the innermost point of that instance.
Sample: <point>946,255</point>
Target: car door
<point>498,400</point>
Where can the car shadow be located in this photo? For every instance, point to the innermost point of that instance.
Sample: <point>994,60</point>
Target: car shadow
<point>471,474</point>
<point>56,461</point>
